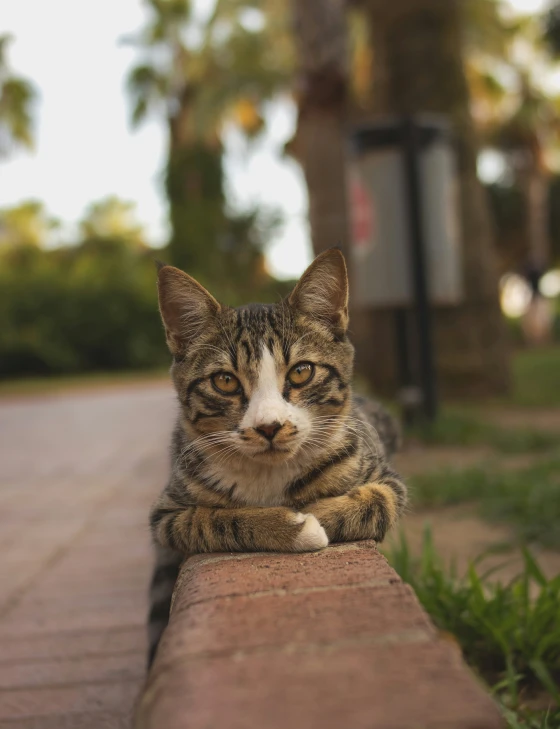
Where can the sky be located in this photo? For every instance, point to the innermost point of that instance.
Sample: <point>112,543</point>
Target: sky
<point>86,149</point>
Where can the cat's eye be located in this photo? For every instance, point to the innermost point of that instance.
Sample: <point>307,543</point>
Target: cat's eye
<point>301,374</point>
<point>226,383</point>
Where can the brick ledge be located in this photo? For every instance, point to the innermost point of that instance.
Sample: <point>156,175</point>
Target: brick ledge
<point>330,639</point>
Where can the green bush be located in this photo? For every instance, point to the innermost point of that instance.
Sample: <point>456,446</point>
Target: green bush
<point>93,307</point>
<point>78,309</point>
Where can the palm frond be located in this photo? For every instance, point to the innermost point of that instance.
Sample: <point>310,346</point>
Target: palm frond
<point>16,101</point>
<point>486,28</point>
<point>147,87</point>
<point>552,29</point>
<point>228,72</point>
<point>5,40</point>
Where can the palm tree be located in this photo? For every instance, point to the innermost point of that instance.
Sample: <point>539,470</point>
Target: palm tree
<point>322,91</point>
<point>201,73</point>
<point>17,97</point>
<point>528,137</point>
<point>522,121</point>
<point>524,124</point>
<point>552,28</point>
<point>419,66</point>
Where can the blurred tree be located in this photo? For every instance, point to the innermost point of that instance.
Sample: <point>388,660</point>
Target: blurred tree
<point>510,215</point>
<point>527,136</point>
<point>554,217</point>
<point>488,33</point>
<point>322,91</point>
<point>113,218</point>
<point>552,28</point>
<point>17,97</point>
<point>335,77</point>
<point>518,116</point>
<point>201,71</point>
<point>26,224</point>
<point>419,67</point>
<point>523,124</point>
<point>486,28</point>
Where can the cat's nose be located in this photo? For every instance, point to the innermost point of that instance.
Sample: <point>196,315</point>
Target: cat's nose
<point>268,431</point>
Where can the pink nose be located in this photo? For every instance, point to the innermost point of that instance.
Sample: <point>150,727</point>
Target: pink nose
<point>268,431</point>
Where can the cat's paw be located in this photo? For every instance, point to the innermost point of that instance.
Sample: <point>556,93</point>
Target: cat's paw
<point>312,536</point>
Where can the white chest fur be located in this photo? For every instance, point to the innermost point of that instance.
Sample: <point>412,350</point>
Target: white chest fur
<point>255,484</point>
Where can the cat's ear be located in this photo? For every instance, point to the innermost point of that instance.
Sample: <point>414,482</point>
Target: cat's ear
<point>322,291</point>
<point>186,307</point>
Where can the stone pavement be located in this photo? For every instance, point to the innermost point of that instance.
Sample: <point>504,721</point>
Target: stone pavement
<point>77,476</point>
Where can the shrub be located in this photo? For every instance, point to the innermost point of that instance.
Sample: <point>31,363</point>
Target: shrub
<point>79,309</point>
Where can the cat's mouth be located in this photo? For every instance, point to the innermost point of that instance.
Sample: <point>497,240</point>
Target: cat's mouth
<point>273,453</point>
<point>272,450</point>
<point>274,446</point>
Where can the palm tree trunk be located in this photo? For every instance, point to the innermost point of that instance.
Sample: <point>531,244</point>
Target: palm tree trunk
<point>536,186</point>
<point>319,144</point>
<point>418,67</point>
<point>538,320</point>
<point>195,191</point>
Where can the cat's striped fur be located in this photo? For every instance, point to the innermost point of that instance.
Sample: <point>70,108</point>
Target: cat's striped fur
<point>276,465</point>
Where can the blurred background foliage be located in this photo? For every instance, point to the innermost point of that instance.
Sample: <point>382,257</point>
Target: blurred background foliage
<point>93,305</point>
<point>86,301</point>
<point>90,303</point>
<point>17,101</point>
<point>199,76</point>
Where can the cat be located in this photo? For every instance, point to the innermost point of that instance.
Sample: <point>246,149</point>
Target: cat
<point>271,450</point>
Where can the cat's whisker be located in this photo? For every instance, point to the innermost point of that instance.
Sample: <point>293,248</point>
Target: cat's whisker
<point>205,441</point>
<point>224,455</point>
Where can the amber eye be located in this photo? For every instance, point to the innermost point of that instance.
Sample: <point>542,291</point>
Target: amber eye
<point>301,373</point>
<point>226,383</point>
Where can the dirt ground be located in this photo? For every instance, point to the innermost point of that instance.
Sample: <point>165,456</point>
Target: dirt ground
<point>460,537</point>
<point>459,534</point>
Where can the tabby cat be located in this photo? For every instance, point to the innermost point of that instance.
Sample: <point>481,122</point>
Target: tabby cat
<point>271,451</point>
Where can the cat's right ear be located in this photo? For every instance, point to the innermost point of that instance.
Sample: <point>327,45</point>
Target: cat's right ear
<point>186,308</point>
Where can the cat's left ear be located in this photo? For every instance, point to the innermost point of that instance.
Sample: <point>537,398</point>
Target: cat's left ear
<point>322,291</point>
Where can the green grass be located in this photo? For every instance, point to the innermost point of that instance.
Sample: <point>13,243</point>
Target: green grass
<point>536,378</point>
<point>525,718</point>
<point>455,427</point>
<point>510,638</point>
<point>40,385</point>
<point>527,498</point>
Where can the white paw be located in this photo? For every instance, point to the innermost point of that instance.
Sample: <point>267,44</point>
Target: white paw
<point>312,536</point>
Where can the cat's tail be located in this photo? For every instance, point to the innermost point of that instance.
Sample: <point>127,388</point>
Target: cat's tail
<point>166,571</point>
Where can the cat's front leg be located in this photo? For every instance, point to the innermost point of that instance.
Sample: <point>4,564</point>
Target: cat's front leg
<point>364,512</point>
<point>196,529</point>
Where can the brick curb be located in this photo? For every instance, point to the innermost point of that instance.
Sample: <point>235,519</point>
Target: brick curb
<point>331,639</point>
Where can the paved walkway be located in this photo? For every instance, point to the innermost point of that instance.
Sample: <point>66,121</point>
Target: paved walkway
<point>77,475</point>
